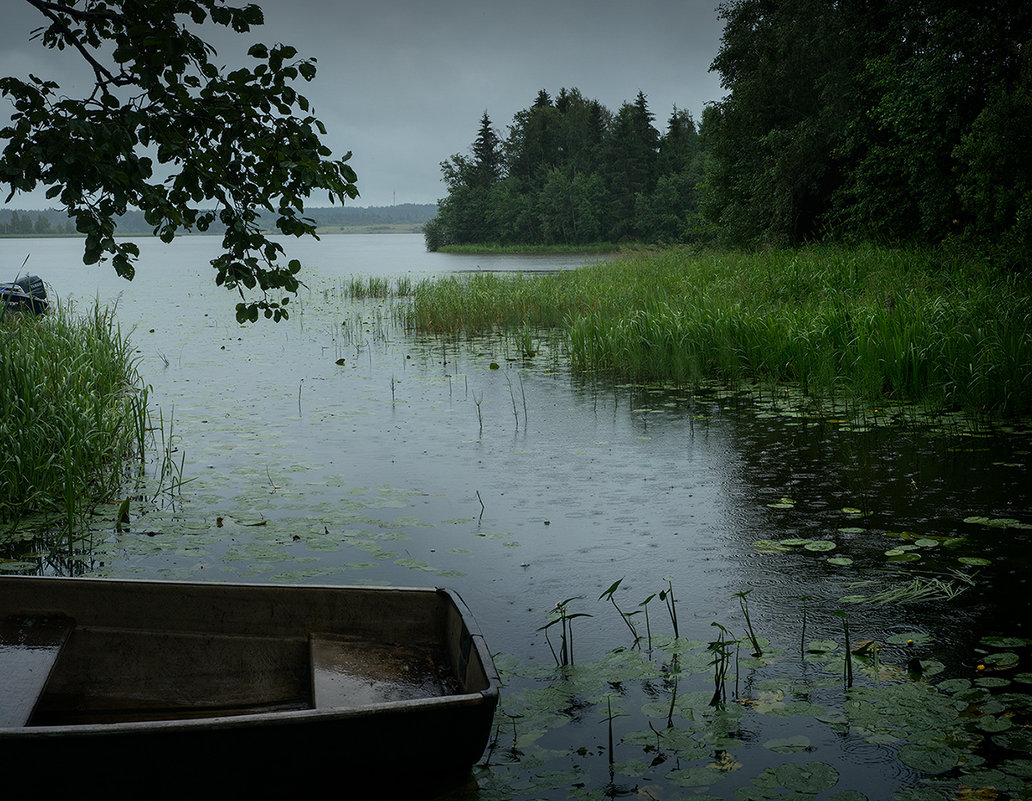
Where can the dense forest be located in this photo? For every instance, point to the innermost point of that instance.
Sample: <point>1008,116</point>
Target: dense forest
<point>893,122</point>
<point>50,222</point>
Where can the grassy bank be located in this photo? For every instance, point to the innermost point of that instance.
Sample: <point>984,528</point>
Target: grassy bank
<point>864,324</point>
<point>73,415</point>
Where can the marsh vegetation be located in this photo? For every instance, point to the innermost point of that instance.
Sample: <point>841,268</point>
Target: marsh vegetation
<point>861,326</point>
<point>74,419</point>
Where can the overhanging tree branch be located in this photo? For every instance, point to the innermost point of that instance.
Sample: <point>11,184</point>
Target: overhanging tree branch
<point>232,143</point>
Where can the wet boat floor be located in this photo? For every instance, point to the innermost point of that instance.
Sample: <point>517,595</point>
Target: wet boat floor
<point>347,674</point>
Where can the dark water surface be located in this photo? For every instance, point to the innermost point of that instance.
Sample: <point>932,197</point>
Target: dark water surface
<point>414,462</point>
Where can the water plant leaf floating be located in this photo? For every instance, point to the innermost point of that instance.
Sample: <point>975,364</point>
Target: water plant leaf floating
<point>916,637</point>
<point>788,745</point>
<point>811,777</point>
<point>1003,642</point>
<point>793,541</point>
<point>1001,661</point>
<point>695,777</point>
<point>993,725</point>
<point>975,561</point>
<point>820,545</point>
<point>929,758</point>
<point>770,546</point>
<point>1016,739</point>
<point>841,561</point>
<point>1018,767</point>
<point>998,522</point>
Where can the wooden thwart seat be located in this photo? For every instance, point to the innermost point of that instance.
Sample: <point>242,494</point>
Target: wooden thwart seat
<point>29,647</point>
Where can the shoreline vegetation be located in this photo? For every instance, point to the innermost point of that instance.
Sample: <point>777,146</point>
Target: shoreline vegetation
<point>867,325</point>
<point>74,417</point>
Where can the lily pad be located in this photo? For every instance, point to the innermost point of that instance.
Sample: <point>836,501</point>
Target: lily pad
<point>928,758</point>
<point>915,637</point>
<point>975,561</point>
<point>842,561</point>
<point>770,546</point>
<point>788,745</point>
<point>1002,642</point>
<point>1001,661</point>
<point>811,777</point>
<point>997,522</point>
<point>820,545</point>
<point>694,777</point>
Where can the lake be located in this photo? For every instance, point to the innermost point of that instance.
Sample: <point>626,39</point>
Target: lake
<point>337,447</point>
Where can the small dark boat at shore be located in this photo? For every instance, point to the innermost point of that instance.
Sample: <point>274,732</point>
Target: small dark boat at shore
<point>25,294</point>
<point>157,688</point>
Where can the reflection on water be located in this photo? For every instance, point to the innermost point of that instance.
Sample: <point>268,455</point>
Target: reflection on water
<point>337,448</point>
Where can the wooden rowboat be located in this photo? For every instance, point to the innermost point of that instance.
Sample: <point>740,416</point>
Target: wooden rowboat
<point>158,685</point>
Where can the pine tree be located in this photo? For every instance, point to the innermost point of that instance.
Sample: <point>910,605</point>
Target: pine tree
<point>487,156</point>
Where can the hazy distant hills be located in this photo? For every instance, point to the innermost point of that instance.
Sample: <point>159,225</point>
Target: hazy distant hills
<point>51,222</point>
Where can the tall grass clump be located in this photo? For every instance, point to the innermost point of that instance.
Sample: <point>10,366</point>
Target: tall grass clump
<point>865,324</point>
<point>375,287</point>
<point>73,415</point>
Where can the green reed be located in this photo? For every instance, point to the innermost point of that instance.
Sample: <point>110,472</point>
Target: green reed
<point>867,324</point>
<point>373,287</point>
<point>562,616</point>
<point>73,415</point>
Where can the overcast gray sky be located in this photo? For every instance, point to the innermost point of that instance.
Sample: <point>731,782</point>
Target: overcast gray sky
<point>403,84</point>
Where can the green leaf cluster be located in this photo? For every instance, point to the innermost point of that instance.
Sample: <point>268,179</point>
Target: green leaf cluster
<point>571,172</point>
<point>893,122</point>
<point>167,131</point>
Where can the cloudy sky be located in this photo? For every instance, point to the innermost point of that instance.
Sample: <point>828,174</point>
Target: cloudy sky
<point>403,83</point>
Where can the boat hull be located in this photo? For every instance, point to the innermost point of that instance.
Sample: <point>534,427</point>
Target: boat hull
<point>217,680</point>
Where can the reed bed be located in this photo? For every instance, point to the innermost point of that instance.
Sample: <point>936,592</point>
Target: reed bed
<point>865,324</point>
<point>73,415</point>
<point>375,287</point>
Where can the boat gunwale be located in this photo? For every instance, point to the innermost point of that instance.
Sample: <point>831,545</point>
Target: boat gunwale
<point>477,698</point>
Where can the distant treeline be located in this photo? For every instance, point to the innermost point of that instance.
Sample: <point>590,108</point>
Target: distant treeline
<point>572,172</point>
<point>50,222</point>
<point>906,121</point>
